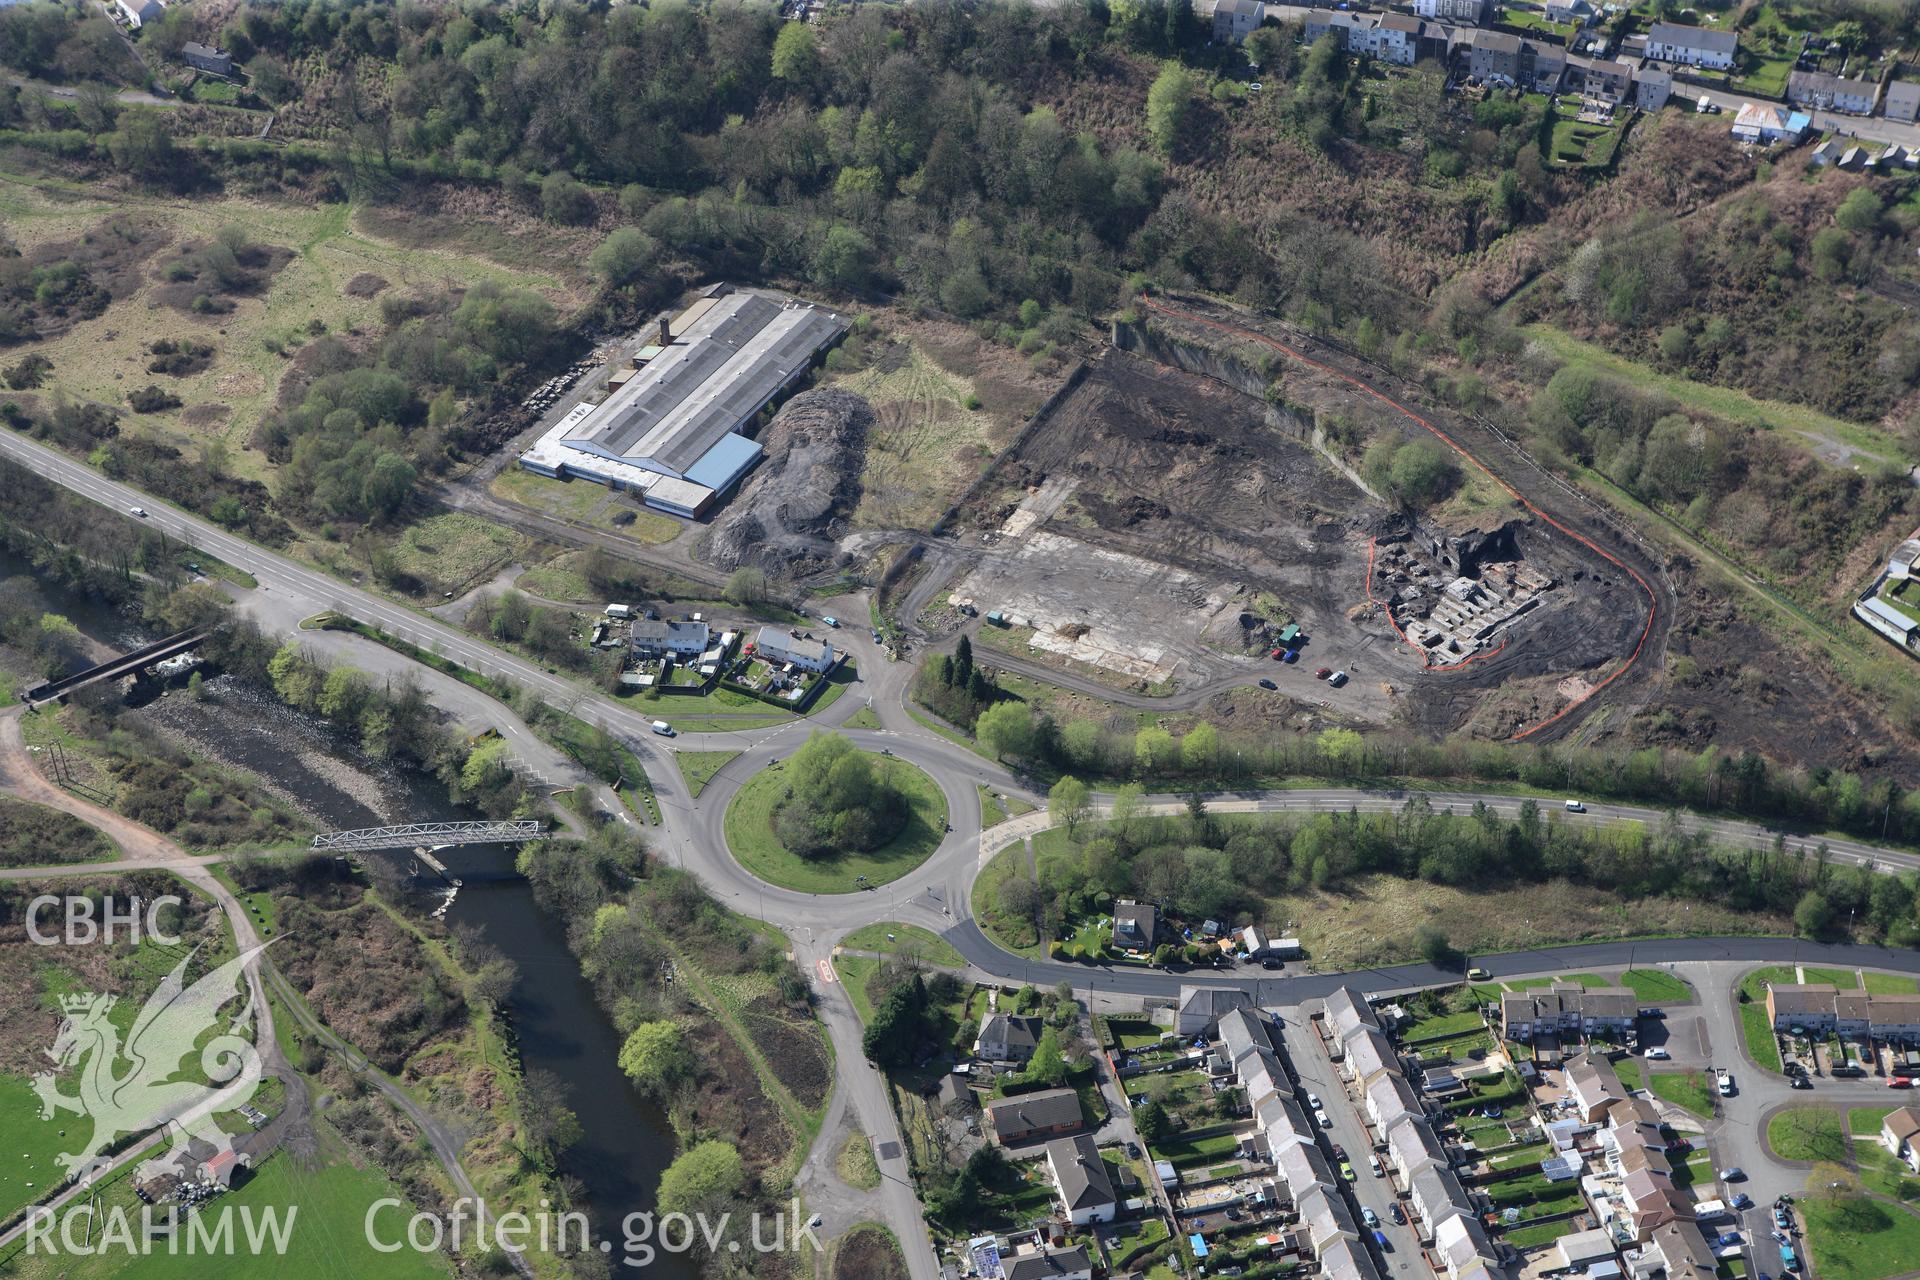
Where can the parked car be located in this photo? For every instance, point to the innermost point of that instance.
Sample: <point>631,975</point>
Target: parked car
<point>830,620</point>
<point>1346,1171</point>
<point>1291,655</point>
<point>1658,1053</point>
<point>1337,679</point>
<point>1313,1100</point>
<point>1369,1217</point>
<point>1373,1163</point>
<point>1734,1174</point>
<point>1726,1084</point>
<point>1477,974</point>
<point>1399,1214</point>
<point>1323,1119</point>
<point>1742,1200</point>
<point>1268,684</point>
<point>1900,1082</point>
<point>1323,673</point>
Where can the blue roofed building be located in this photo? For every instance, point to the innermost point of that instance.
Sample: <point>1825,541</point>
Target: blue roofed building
<point>673,433</point>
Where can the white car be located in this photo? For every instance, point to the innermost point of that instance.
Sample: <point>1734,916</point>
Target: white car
<point>1575,806</point>
<point>137,511</point>
<point>1726,1085</point>
<point>1313,1101</point>
<point>1325,1121</point>
<point>1658,1054</point>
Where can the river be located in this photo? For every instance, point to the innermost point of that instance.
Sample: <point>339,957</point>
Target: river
<point>628,1141</point>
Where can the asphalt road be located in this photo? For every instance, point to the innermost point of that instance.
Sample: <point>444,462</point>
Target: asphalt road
<point>938,894</point>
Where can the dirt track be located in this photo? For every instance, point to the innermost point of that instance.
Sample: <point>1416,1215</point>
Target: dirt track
<point>1565,530</point>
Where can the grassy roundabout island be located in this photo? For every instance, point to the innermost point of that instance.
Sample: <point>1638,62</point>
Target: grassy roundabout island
<point>830,814</point>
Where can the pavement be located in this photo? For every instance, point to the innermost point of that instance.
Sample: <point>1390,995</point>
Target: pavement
<point>937,895</point>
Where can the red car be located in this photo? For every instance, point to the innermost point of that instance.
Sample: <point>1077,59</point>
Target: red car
<point>1900,1082</point>
<point>1323,673</point>
<point>1277,654</point>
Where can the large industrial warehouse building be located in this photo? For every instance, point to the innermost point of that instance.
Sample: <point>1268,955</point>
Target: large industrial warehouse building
<point>671,432</point>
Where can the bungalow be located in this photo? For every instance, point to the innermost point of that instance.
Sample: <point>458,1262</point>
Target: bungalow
<point>779,647</point>
<point>1594,1085</point>
<point>1235,20</point>
<point>1820,91</point>
<point>1006,1037</point>
<point>1694,46</point>
<point>1081,1180</point>
<point>1412,1146</point>
<point>1049,1264</point>
<point>668,639</point>
<point>1201,1008</point>
<point>1135,925</point>
<point>204,58</point>
<point>1438,1196</point>
<point>1900,1135</point>
<point>1389,1098</point>
<point>1903,100</point>
<point>1032,1115</point>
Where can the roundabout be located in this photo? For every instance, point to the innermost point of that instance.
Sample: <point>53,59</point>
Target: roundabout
<point>905,824</point>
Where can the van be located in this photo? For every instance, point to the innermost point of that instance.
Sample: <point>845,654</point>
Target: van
<point>662,728</point>
<point>830,620</point>
<point>1574,806</point>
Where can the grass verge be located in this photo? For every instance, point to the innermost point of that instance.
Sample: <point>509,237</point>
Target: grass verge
<point>749,828</point>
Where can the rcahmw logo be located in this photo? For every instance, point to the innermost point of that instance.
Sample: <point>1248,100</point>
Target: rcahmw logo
<point>83,1232</point>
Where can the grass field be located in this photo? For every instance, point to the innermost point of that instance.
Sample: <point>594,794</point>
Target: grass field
<point>1656,986</point>
<point>1860,1240</point>
<point>749,827</point>
<point>855,1163</point>
<point>1688,1090</point>
<point>1632,1073</point>
<point>698,767</point>
<point>932,947</point>
<point>1813,427</point>
<point>582,502</point>
<point>1808,1133</point>
<point>926,445</point>
<point>100,358</point>
<point>452,551</point>
<point>327,1202</point>
<point>28,1146</point>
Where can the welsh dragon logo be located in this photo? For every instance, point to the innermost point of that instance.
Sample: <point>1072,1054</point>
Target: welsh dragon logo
<point>146,1095</point>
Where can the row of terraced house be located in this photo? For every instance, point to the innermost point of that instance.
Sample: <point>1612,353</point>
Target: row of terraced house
<point>1820,1008</point>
